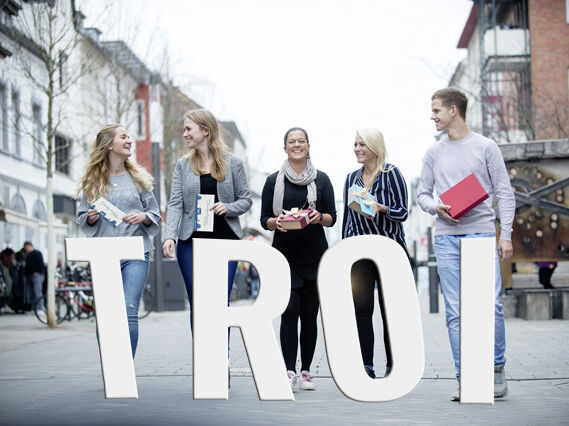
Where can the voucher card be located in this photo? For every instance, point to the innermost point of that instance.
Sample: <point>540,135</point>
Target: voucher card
<point>108,211</point>
<point>203,214</point>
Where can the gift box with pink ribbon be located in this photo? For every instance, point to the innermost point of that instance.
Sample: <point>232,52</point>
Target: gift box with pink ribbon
<point>295,218</point>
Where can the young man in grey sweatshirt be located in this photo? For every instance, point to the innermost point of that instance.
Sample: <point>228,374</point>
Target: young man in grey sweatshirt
<point>447,162</point>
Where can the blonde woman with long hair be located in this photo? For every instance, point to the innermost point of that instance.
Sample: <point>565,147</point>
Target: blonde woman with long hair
<point>112,175</point>
<point>207,169</point>
<point>386,183</point>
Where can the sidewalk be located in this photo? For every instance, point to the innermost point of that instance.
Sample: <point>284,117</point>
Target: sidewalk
<point>54,377</point>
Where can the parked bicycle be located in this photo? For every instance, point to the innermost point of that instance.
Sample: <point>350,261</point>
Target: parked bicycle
<point>75,300</point>
<point>72,300</point>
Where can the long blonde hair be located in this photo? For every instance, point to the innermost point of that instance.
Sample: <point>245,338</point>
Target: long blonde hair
<point>373,139</point>
<point>94,181</point>
<point>206,120</point>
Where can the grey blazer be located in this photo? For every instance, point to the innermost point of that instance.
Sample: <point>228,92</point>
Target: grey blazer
<point>233,191</point>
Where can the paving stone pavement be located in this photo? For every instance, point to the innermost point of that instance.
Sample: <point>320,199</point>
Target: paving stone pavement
<point>53,377</point>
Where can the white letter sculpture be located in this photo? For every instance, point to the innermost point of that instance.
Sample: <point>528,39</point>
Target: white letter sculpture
<point>104,255</point>
<point>212,316</point>
<point>402,316</point>
<point>477,293</point>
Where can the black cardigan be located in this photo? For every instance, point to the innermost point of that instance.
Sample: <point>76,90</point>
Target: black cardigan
<point>304,246</point>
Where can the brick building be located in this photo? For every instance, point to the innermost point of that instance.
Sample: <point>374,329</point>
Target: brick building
<point>516,73</point>
<point>549,29</point>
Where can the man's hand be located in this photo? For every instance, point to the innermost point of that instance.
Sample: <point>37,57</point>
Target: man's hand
<point>442,211</point>
<point>505,250</point>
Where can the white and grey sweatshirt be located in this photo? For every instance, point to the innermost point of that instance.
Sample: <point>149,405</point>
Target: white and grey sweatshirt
<point>448,162</point>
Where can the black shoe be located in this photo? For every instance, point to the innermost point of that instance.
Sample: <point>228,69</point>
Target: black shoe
<point>369,370</point>
<point>548,287</point>
<point>387,370</point>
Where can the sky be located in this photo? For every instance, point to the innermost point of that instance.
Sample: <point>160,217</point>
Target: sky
<point>330,67</point>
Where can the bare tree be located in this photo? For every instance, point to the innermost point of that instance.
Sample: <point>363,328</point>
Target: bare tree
<point>47,28</point>
<point>174,104</point>
<point>514,110</point>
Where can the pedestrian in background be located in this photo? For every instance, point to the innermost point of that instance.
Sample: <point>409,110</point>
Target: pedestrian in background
<point>253,281</point>
<point>460,153</point>
<point>34,271</point>
<point>546,270</point>
<point>112,175</point>
<point>298,184</point>
<point>385,182</point>
<point>7,259</point>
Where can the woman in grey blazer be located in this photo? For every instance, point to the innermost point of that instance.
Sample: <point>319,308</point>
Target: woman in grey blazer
<point>207,169</point>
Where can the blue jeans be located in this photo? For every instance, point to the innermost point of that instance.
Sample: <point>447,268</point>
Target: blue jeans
<point>447,251</point>
<point>185,260</point>
<point>34,285</point>
<point>134,274</point>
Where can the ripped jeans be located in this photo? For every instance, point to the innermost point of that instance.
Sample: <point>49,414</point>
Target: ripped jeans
<point>134,274</point>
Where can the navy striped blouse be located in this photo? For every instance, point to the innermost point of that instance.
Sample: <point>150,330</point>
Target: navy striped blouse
<point>390,190</point>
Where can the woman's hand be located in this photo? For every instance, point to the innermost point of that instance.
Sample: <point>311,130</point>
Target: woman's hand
<point>315,217</point>
<point>135,218</point>
<point>219,208</point>
<point>379,208</point>
<point>92,216</point>
<point>274,224</point>
<point>168,248</point>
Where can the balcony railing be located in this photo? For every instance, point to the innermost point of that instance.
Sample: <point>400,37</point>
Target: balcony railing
<point>506,49</point>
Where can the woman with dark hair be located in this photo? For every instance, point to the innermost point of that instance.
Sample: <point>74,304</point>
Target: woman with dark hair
<point>385,182</point>
<point>299,185</point>
<point>112,175</point>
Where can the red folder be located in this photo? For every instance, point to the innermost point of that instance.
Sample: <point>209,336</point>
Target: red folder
<point>464,196</point>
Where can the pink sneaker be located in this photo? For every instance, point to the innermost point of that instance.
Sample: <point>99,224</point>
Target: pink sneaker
<point>305,381</point>
<point>291,378</point>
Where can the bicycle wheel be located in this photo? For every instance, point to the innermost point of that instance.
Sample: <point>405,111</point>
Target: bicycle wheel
<point>84,305</point>
<point>61,309</point>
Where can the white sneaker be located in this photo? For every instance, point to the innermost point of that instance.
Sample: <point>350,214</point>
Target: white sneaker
<point>292,378</point>
<point>500,383</point>
<point>43,315</point>
<point>305,381</point>
<point>456,394</point>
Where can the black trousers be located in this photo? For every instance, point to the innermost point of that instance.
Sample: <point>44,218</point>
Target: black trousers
<point>364,275</point>
<point>545,274</point>
<point>303,304</point>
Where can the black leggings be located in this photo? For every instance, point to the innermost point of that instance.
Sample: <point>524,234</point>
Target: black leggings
<point>303,303</point>
<point>364,275</point>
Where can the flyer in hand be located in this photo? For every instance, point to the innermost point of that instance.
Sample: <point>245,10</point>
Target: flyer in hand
<point>108,211</point>
<point>203,214</point>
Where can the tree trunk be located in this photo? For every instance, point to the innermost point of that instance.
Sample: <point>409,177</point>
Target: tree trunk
<point>50,160</point>
<point>51,255</point>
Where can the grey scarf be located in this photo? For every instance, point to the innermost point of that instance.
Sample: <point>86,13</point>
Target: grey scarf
<point>307,179</point>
